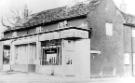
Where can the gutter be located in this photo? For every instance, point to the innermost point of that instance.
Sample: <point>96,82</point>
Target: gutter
<point>46,32</point>
<point>129,24</point>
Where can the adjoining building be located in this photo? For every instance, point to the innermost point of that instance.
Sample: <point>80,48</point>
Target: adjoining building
<point>88,39</point>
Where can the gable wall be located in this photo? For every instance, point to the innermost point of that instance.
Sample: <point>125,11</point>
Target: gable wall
<point>110,61</point>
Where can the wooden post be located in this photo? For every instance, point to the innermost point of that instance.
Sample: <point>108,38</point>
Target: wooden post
<point>1,55</point>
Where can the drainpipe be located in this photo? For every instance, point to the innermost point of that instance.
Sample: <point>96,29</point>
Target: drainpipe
<point>132,51</point>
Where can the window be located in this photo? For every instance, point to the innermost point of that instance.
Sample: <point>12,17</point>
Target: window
<point>127,64</point>
<point>62,24</point>
<point>84,25</point>
<point>109,29</point>
<point>38,29</point>
<point>69,61</point>
<point>14,34</point>
<point>126,58</point>
<point>51,52</point>
<point>133,32</point>
<point>134,59</point>
<point>6,56</point>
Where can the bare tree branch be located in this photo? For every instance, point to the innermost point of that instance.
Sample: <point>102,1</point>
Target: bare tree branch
<point>15,12</point>
<point>10,21</point>
<point>3,24</point>
<point>17,19</point>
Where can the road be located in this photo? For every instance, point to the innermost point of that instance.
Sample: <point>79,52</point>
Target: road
<point>41,78</point>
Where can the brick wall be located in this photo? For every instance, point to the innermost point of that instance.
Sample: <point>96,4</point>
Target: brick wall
<point>110,61</point>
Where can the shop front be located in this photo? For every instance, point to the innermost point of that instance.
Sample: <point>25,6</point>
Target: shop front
<point>65,57</point>
<point>63,52</point>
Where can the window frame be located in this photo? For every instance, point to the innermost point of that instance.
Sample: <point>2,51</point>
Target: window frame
<point>47,45</point>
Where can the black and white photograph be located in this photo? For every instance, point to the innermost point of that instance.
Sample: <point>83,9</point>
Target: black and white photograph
<point>67,41</point>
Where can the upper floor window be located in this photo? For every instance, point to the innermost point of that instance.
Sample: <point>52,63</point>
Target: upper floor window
<point>84,25</point>
<point>14,34</point>
<point>38,29</point>
<point>62,24</point>
<point>109,29</point>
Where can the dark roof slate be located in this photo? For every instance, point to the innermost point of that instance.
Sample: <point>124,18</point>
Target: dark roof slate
<point>57,14</point>
<point>61,13</point>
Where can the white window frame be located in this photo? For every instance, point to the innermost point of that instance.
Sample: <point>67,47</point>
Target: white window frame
<point>109,29</point>
<point>133,32</point>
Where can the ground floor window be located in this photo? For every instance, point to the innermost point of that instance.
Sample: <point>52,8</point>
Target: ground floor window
<point>51,52</point>
<point>6,55</point>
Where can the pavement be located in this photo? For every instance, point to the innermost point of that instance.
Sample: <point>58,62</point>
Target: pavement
<point>22,77</point>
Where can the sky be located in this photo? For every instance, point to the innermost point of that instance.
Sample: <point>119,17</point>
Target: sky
<point>6,6</point>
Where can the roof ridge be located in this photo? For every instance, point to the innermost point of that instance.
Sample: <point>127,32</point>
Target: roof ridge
<point>60,13</point>
<point>64,11</point>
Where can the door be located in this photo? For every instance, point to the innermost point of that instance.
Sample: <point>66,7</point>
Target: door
<point>25,57</point>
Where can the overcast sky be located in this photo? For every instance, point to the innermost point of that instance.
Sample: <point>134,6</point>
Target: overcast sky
<point>38,5</point>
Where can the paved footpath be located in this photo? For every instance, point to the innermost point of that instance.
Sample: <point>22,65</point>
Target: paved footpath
<point>17,77</point>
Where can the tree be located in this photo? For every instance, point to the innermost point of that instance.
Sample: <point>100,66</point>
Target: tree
<point>16,19</point>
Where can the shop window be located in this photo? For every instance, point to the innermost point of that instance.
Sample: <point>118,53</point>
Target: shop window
<point>51,52</point>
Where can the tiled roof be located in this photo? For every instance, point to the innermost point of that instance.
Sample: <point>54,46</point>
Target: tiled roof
<point>57,14</point>
<point>61,13</point>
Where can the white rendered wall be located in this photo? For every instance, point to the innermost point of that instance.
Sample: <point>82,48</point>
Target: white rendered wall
<point>79,51</point>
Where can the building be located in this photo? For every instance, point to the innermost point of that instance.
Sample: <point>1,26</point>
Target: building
<point>88,39</point>
<point>129,46</point>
